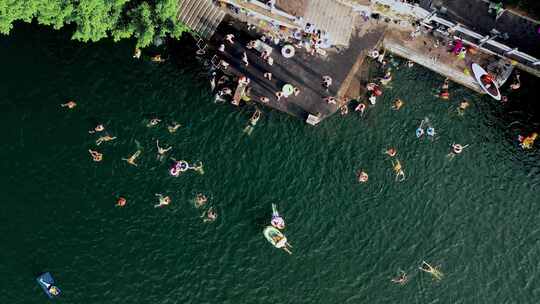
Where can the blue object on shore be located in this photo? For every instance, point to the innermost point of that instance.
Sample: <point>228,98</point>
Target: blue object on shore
<point>46,282</point>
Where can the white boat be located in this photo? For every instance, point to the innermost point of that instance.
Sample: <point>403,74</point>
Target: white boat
<point>276,238</point>
<point>493,89</point>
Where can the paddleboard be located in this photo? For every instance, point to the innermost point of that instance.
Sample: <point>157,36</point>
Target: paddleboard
<point>493,90</point>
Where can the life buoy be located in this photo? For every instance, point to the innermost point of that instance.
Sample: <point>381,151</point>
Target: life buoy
<point>457,148</point>
<point>374,54</point>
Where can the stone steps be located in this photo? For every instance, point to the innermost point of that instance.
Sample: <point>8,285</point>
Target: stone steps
<point>201,16</point>
<point>333,17</point>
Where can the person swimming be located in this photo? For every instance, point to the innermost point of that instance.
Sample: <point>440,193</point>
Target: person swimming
<point>344,110</point>
<point>153,122</point>
<point>401,279</point>
<point>172,128</point>
<point>362,176</point>
<point>391,152</point>
<point>161,151</point>
<point>97,128</point>
<point>400,175</point>
<point>200,200</point>
<point>527,142</point>
<point>462,107</point>
<point>96,156</point>
<point>398,103</point>
<point>211,215</point>
<point>70,104</point>
<point>198,167</point>
<point>372,99</point>
<point>137,53</point>
<point>162,200</point>
<point>277,221</point>
<point>103,139</point>
<point>131,160</point>
<point>121,202</point>
<point>434,271</point>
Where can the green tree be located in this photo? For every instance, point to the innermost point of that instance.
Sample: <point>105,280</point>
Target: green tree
<point>98,19</point>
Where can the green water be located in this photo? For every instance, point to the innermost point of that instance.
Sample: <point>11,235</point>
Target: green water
<point>477,215</point>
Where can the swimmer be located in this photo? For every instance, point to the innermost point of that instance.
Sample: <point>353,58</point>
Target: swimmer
<point>398,103</point>
<point>221,48</point>
<point>277,221</point>
<point>296,91</point>
<point>400,175</point>
<point>371,86</point>
<point>410,64</point>
<point>517,83</point>
<point>172,128</point>
<point>387,78</point>
<point>229,38</point>
<point>436,273</point>
<point>161,151</point>
<point>372,99</point>
<point>121,202</point>
<point>391,152</point>
<point>270,60</point>
<point>137,53</point>
<point>211,215</point>
<point>268,75</point>
<point>103,139</point>
<point>527,142</point>
<point>163,200</point>
<point>401,279</point>
<point>157,58</point>
<point>96,156</point>
<point>462,107</point>
<point>279,94</point>
<point>131,160</point>
<point>200,200</point>
<point>224,64</point>
<point>153,122</point>
<point>445,84</point>
<point>98,128</point>
<point>362,176</point>
<point>198,167</point>
<point>344,110</point>
<point>264,99</point>
<point>361,107</point>
<point>70,104</point>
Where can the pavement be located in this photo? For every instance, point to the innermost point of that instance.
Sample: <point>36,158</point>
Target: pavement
<point>474,14</point>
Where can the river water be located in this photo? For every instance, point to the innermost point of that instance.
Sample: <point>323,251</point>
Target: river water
<point>477,215</point>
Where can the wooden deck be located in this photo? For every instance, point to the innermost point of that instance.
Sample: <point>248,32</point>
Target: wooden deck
<point>302,71</point>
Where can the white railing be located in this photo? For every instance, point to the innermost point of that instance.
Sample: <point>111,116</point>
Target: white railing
<point>426,17</point>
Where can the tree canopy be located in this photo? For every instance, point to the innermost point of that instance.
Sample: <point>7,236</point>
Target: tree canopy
<point>97,19</point>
